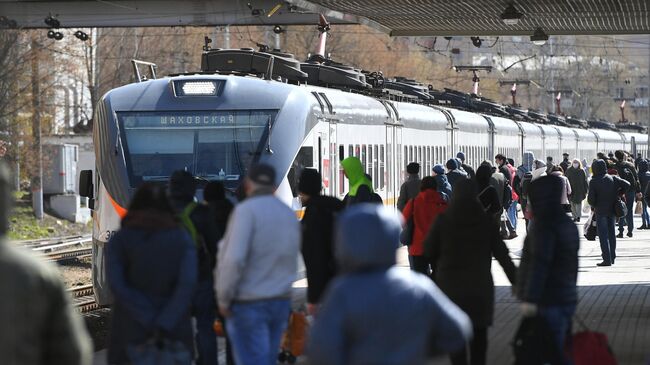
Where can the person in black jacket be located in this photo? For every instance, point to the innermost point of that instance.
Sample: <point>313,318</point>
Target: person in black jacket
<point>317,237</point>
<point>604,190</point>
<point>546,281</point>
<point>460,246</point>
<point>627,172</point>
<point>487,194</point>
<point>220,207</point>
<point>198,221</point>
<point>454,173</point>
<point>468,169</point>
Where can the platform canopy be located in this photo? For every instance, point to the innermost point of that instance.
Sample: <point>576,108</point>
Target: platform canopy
<point>395,17</point>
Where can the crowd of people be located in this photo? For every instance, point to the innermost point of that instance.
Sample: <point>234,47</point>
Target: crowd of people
<point>177,265</point>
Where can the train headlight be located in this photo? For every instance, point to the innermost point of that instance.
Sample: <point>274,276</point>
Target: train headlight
<point>196,88</point>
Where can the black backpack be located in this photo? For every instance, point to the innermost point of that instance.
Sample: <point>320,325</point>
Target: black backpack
<point>525,184</point>
<point>625,172</point>
<point>507,195</point>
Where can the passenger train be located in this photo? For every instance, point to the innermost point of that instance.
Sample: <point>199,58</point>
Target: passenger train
<point>217,125</point>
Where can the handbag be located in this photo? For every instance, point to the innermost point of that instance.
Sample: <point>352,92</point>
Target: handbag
<point>159,351</point>
<point>620,208</point>
<point>533,343</point>
<point>590,229</point>
<point>590,348</point>
<point>638,209</point>
<point>406,236</point>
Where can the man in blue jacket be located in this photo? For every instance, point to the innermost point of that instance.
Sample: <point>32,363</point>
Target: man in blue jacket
<point>374,312</point>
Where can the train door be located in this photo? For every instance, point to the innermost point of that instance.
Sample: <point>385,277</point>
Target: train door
<point>331,162</point>
<point>633,146</point>
<point>400,175</point>
<point>322,157</point>
<point>389,172</point>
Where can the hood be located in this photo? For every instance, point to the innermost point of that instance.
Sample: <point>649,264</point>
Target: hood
<point>441,179</point>
<point>575,160</point>
<point>538,164</point>
<point>367,236</point>
<point>483,175</point>
<point>599,168</point>
<point>545,197</point>
<point>643,166</point>
<point>354,171</point>
<point>452,164</point>
<point>529,158</point>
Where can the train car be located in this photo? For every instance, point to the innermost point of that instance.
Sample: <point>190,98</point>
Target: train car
<point>216,126</point>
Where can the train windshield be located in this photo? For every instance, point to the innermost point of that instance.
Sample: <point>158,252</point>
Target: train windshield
<point>212,145</point>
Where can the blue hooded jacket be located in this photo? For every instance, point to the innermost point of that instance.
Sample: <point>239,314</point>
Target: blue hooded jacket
<point>374,312</point>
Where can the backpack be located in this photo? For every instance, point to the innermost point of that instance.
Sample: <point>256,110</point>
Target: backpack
<point>507,195</point>
<point>205,259</point>
<point>525,184</point>
<point>625,172</point>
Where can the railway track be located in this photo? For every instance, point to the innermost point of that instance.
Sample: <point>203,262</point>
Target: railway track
<point>60,249</point>
<point>83,298</point>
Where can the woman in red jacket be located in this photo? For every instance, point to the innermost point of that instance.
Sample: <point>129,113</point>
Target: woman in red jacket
<point>425,208</point>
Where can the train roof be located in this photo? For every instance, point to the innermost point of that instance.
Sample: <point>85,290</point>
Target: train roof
<point>282,70</point>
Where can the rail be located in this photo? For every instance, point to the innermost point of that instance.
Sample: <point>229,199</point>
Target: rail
<point>83,298</point>
<point>59,249</point>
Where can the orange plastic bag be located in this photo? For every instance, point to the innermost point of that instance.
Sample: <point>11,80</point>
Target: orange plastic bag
<point>217,326</point>
<point>295,337</point>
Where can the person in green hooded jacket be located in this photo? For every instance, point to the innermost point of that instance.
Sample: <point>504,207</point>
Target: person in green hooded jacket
<point>361,190</point>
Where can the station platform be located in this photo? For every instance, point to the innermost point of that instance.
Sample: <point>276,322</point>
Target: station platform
<point>614,300</point>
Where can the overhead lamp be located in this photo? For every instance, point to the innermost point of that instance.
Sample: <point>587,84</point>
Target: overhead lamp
<point>52,22</point>
<point>278,29</point>
<point>82,36</point>
<point>476,41</point>
<point>511,15</point>
<point>539,38</point>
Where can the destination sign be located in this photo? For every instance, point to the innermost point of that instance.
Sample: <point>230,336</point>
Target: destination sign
<point>196,119</point>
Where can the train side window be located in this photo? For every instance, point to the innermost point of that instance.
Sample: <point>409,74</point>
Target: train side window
<point>420,156</point>
<point>304,159</point>
<point>350,150</point>
<point>341,152</point>
<point>357,151</point>
<point>363,157</point>
<point>406,155</point>
<point>382,158</point>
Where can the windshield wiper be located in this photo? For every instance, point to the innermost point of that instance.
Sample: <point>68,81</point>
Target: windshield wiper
<point>155,178</point>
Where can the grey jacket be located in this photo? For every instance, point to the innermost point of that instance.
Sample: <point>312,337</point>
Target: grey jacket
<point>39,324</point>
<point>409,190</point>
<point>258,255</point>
